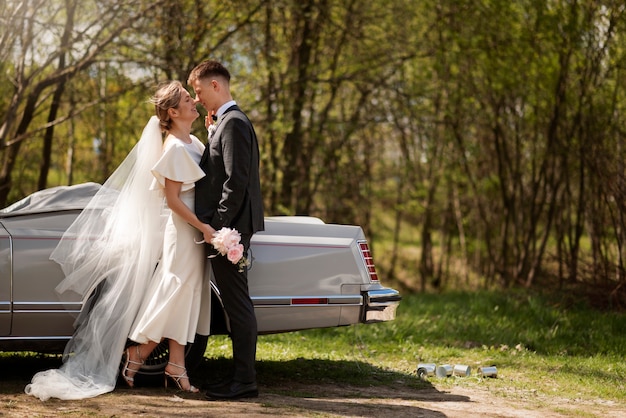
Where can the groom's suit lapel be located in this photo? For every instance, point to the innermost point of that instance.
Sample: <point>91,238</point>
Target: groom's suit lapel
<point>218,132</point>
<point>222,121</point>
<point>226,115</point>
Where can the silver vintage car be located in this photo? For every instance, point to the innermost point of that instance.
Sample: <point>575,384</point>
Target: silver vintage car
<point>304,274</point>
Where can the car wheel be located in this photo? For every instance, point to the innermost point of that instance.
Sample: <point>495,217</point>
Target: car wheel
<point>151,373</point>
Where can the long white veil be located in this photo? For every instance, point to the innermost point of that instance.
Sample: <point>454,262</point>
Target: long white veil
<point>114,245</point>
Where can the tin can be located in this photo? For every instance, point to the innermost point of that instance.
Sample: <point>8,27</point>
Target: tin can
<point>489,371</point>
<point>425,370</point>
<point>462,370</point>
<point>444,370</point>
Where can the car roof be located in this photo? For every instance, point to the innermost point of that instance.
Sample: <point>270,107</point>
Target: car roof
<point>53,199</point>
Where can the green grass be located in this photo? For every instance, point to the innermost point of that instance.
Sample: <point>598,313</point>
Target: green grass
<point>539,347</point>
<point>544,351</point>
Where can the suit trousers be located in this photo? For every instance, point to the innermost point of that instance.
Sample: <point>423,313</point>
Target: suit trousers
<point>233,287</point>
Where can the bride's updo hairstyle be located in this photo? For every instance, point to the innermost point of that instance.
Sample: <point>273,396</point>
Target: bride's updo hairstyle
<point>167,96</point>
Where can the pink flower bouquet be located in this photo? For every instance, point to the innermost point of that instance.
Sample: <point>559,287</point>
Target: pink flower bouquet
<point>227,242</point>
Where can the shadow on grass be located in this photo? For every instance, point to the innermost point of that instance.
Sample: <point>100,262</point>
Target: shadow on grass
<point>336,387</point>
<point>314,385</point>
<point>310,371</point>
<point>303,377</point>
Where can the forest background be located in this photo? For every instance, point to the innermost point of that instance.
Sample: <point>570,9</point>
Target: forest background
<point>479,143</point>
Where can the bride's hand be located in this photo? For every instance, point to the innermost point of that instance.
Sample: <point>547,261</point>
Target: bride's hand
<point>207,233</point>
<point>208,120</point>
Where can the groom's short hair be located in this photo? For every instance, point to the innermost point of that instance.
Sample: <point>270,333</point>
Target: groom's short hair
<point>208,69</point>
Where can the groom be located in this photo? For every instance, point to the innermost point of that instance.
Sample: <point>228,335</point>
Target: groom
<point>230,196</point>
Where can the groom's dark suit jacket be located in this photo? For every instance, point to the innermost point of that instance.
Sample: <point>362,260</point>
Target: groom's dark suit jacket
<point>230,193</point>
<point>230,196</point>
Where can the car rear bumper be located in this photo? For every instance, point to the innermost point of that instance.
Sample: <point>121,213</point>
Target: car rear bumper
<point>380,305</point>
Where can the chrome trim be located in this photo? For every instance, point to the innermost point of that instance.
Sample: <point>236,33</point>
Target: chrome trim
<point>37,338</point>
<point>11,289</point>
<point>46,311</point>
<point>333,300</point>
<point>380,305</point>
<point>47,306</point>
<point>10,310</point>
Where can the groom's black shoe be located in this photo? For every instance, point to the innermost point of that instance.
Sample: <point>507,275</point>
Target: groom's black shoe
<point>219,385</point>
<point>236,390</point>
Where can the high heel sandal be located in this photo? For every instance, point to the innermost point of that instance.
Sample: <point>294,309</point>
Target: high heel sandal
<point>130,381</point>
<point>176,378</point>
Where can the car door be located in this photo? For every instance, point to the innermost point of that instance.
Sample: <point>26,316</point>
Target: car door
<point>38,311</point>
<point>5,281</point>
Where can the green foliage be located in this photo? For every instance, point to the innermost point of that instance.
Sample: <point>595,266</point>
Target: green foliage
<point>494,129</point>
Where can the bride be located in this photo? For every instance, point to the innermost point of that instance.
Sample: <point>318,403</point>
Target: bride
<point>123,248</point>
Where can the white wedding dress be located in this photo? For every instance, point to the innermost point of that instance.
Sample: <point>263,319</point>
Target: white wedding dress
<point>173,301</point>
<point>114,245</point>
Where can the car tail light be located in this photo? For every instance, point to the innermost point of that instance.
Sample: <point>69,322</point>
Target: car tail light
<point>369,260</point>
<point>309,301</point>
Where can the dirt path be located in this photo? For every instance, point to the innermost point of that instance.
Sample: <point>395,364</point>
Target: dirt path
<point>311,401</point>
<point>282,394</point>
